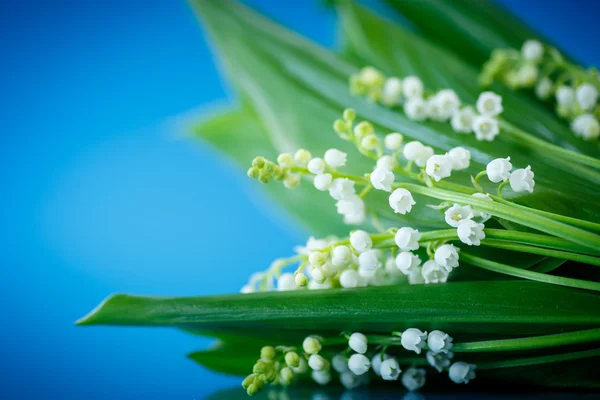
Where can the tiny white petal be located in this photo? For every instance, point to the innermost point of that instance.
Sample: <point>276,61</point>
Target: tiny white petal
<point>349,279</point>
<point>416,109</point>
<point>439,342</point>
<point>412,87</point>
<point>407,262</point>
<point>565,96</point>
<point>339,363</point>
<point>335,158</point>
<point>489,104</point>
<point>317,362</point>
<point>434,273</point>
<point>382,179</point>
<point>521,180</point>
<point>316,166</point>
<point>457,213</point>
<point>532,50</point>
<point>462,120</point>
<point>447,256</point>
<point>438,167</point>
<point>369,260</point>
<point>587,96</point>
<point>439,361</point>
<point>341,188</point>
<point>341,256</point>
<point>392,91</point>
<point>586,126</point>
<point>470,232</point>
<point>401,201</point>
<point>393,141</point>
<point>498,170</point>
<point>543,89</point>
<point>407,239</point>
<point>286,281</point>
<point>376,362</point>
<point>386,162</point>
<point>485,128</point>
<point>321,377</point>
<point>353,209</point>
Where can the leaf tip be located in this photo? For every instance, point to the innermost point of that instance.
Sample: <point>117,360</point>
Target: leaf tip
<point>94,316</point>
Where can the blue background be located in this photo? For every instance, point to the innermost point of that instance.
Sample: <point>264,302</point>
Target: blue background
<point>101,191</point>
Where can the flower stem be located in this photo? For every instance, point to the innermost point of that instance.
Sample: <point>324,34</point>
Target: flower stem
<point>521,362</point>
<point>563,255</point>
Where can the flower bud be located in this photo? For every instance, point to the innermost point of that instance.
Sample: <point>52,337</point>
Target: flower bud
<point>286,376</point>
<point>318,363</point>
<point>393,141</point>
<point>339,126</point>
<point>318,275</point>
<point>258,162</point>
<point>292,359</point>
<point>363,128</point>
<point>349,114</point>
<point>301,280</point>
<point>260,367</point>
<point>317,258</point>
<point>265,177</point>
<point>291,181</point>
<point>311,345</point>
<point>285,160</point>
<point>302,157</point>
<point>253,172</point>
<point>267,353</point>
<point>248,381</point>
<point>253,389</point>
<point>358,342</point>
<point>370,142</point>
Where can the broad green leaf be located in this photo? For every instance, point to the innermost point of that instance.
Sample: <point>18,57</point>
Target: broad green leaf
<point>464,308</point>
<point>297,89</point>
<point>239,136</point>
<point>470,29</point>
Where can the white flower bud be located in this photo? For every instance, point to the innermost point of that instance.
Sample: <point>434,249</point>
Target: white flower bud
<point>286,281</point>
<point>362,129</point>
<point>527,75</point>
<point>376,362</point>
<point>543,89</point>
<point>417,152</point>
<point>301,280</point>
<point>470,232</point>
<point>369,260</point>
<point>498,170</point>
<point>439,342</point>
<point>439,361</point>
<point>416,109</point>
<point>359,364</point>
<point>291,181</point>
<point>311,345</point>
<point>489,104</point>
<point>484,216</point>
<point>448,103</point>
<point>386,162</point>
<point>341,256</point>
<point>457,213</point>
<point>521,180</point>
<point>341,188</point>
<point>318,275</point>
<point>407,262</point>
<point>302,366</point>
<point>317,258</point>
<point>485,128</point>
<point>462,120</point>
<point>382,179</point>
<point>247,289</point>
<point>370,142</point>
<point>459,157</point>
<point>392,91</point>
<point>317,362</point>
<point>413,379</point>
<point>358,342</point>
<point>447,256</point>
<point>401,201</point>
<point>416,277</point>
<point>302,157</point>
<point>321,377</point>
<point>565,96</point>
<point>407,239</point>
<point>323,182</point>
<point>339,363</point>
<point>390,370</point>
<point>586,126</point>
<point>360,241</point>
<point>434,273</point>
<point>412,87</point>
<point>353,209</point>
<point>413,339</point>
<point>335,158</point>
<point>393,141</point>
<point>532,50</point>
<point>316,166</point>
<point>438,167</point>
<point>461,372</point>
<point>587,96</point>
<point>349,279</point>
<point>285,160</point>
<point>370,76</point>
<point>349,380</point>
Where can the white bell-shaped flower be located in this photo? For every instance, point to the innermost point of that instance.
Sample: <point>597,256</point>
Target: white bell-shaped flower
<point>586,126</point>
<point>413,339</point>
<point>412,87</point>
<point>317,362</point>
<point>413,379</point>
<point>447,256</point>
<point>353,209</point>
<point>482,196</point>
<point>359,364</point>
<point>565,96</point>
<point>459,157</point>
<point>323,182</point>
<point>489,104</point>
<point>521,180</point>
<point>485,128</point>
<point>393,141</point>
<point>386,162</point>
<point>316,166</point>
<point>543,89</point>
<point>361,241</point>
<point>401,201</point>
<point>439,342</point>
<point>335,158</point>
<point>390,370</point>
<point>286,282</point>
<point>439,361</point>
<point>587,96</point>
<point>358,342</point>
<point>369,260</point>
<point>302,157</point>
<point>498,170</point>
<point>349,380</point>
<point>461,372</point>
<point>417,152</point>
<point>416,278</point>
<point>311,345</point>
<point>416,109</point>
<point>392,91</point>
<point>339,363</point>
<point>321,377</point>
<point>341,256</point>
<point>407,239</point>
<point>376,362</point>
<point>462,120</point>
<point>532,50</point>
<point>382,179</point>
<point>434,273</point>
<point>350,278</point>
<point>407,262</point>
<point>438,167</point>
<point>457,213</point>
<point>341,188</point>
<point>448,103</point>
<point>470,232</point>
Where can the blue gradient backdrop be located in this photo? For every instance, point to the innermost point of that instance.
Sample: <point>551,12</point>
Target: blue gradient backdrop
<point>101,194</point>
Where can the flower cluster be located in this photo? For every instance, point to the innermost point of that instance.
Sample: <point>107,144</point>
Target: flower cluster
<point>442,106</point>
<point>552,77</point>
<point>499,171</point>
<point>280,365</point>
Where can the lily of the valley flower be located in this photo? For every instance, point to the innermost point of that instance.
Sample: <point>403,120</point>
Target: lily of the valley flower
<point>447,256</point>
<point>353,209</point>
<point>461,372</point>
<point>369,260</point>
<point>358,342</point>
<point>416,109</point>
<point>401,201</point>
<point>407,239</point>
<point>412,87</point>
<point>489,104</point>
<point>358,364</point>
<point>485,128</point>
<point>587,96</point>
<point>413,379</point>
<point>434,273</point>
<point>462,120</point>
<point>586,126</point>
<point>335,158</point>
<point>532,50</point>
<point>459,157</point>
<point>323,182</point>
<point>382,179</point>
<point>390,370</point>
<point>470,232</point>
<point>439,342</point>
<point>498,170</point>
<point>341,188</point>
<point>417,152</point>
<point>393,141</point>
<point>413,339</point>
<point>407,262</point>
<point>361,241</point>
<point>439,361</point>
<point>457,213</point>
<point>521,180</point>
<point>286,282</point>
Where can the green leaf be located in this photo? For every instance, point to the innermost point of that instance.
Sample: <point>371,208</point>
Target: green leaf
<point>297,89</point>
<point>239,135</point>
<point>234,356</point>
<point>464,308</point>
<point>470,29</point>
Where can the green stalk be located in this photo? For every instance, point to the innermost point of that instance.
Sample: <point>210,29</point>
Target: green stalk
<point>521,362</point>
<point>563,255</point>
<point>526,274</point>
<point>530,343</point>
<point>547,265</point>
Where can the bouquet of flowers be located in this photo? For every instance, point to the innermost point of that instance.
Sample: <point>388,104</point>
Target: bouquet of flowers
<point>450,176</point>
